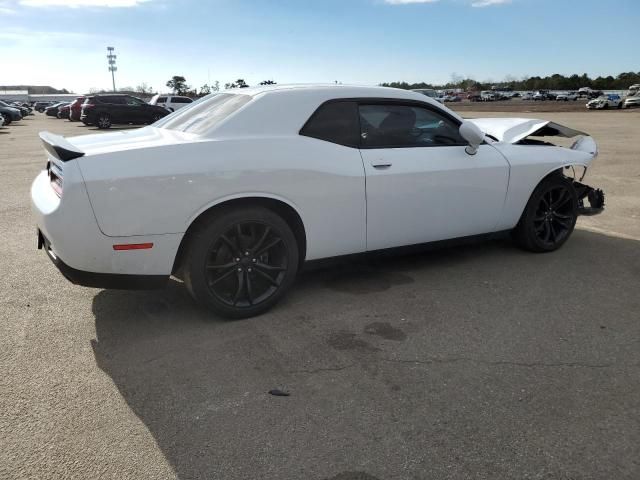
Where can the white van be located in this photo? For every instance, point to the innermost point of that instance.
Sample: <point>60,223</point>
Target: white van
<point>170,102</point>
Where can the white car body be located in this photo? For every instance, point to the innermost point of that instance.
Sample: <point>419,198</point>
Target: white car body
<point>148,186</point>
<point>605,101</point>
<point>171,102</point>
<point>567,96</point>
<point>633,101</point>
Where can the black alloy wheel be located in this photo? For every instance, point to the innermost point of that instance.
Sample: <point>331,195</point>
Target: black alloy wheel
<point>241,262</point>
<point>104,121</point>
<point>555,216</point>
<point>247,264</point>
<point>549,217</point>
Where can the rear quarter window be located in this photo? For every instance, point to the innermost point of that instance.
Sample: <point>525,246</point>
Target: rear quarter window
<point>335,122</point>
<point>201,116</point>
<point>161,100</point>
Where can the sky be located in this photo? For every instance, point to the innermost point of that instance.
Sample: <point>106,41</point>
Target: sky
<point>63,43</point>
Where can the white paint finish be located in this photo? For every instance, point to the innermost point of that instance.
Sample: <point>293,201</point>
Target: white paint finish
<point>512,130</point>
<point>165,187</point>
<point>432,193</point>
<point>148,185</point>
<point>70,226</point>
<point>529,165</point>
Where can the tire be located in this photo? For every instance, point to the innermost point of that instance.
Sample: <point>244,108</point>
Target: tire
<point>619,105</point>
<point>103,121</point>
<point>154,118</point>
<point>549,217</point>
<point>240,262</point>
<point>606,106</point>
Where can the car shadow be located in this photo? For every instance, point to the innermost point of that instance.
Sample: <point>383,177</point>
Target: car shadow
<point>428,356</point>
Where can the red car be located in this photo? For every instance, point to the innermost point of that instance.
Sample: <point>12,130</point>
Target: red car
<point>63,111</point>
<point>75,109</point>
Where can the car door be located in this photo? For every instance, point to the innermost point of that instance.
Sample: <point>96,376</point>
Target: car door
<point>135,110</point>
<point>113,105</point>
<point>421,185</point>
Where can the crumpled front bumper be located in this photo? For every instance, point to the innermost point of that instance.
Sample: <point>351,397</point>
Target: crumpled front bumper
<point>594,199</point>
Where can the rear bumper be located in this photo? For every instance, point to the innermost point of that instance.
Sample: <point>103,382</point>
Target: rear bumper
<point>101,280</point>
<point>74,242</point>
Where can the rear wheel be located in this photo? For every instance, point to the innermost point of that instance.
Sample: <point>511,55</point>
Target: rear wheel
<point>155,117</point>
<point>104,121</point>
<point>239,263</point>
<point>549,217</point>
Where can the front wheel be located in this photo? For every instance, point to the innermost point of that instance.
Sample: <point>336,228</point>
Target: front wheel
<point>240,262</point>
<point>549,217</point>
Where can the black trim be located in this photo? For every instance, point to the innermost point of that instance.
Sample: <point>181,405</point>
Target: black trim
<point>102,280</point>
<point>385,101</point>
<point>413,249</point>
<point>57,151</point>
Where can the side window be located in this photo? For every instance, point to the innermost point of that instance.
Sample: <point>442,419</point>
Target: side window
<point>161,100</point>
<point>181,100</point>
<point>115,100</point>
<point>335,122</point>
<point>390,125</point>
<point>132,101</point>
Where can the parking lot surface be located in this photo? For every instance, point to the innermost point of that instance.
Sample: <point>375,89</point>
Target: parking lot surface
<point>474,362</point>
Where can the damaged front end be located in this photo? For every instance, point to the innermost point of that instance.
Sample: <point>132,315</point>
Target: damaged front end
<point>593,196</point>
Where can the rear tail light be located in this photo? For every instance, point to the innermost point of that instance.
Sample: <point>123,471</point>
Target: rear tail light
<point>55,177</point>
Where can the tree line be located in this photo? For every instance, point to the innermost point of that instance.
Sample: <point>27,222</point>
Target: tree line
<point>552,82</point>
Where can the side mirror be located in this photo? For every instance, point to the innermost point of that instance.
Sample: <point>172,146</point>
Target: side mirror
<point>473,135</point>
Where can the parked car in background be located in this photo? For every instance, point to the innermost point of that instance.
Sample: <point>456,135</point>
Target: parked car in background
<point>24,108</point>
<point>527,96</point>
<point>604,102</point>
<point>107,109</point>
<point>632,101</point>
<point>24,111</point>
<point>429,92</point>
<point>474,97</point>
<point>10,114</point>
<point>225,193</point>
<point>452,98</point>
<point>487,96</point>
<point>63,111</point>
<point>75,109</point>
<point>52,110</point>
<point>566,96</point>
<point>170,102</point>
<point>40,106</point>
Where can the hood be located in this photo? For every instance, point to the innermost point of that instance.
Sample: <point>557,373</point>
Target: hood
<point>512,130</point>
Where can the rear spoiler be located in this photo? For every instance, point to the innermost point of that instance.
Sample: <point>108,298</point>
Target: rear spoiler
<point>60,147</point>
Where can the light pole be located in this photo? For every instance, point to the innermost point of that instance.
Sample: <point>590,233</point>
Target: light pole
<point>111,58</point>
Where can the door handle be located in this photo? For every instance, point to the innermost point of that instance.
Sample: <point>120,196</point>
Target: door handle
<point>381,164</point>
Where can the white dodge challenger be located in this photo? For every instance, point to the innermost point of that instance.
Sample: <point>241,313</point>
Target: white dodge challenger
<point>233,192</point>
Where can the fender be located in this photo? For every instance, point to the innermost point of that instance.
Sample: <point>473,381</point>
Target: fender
<point>237,196</point>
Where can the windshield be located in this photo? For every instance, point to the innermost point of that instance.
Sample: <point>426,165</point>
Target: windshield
<point>202,115</point>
